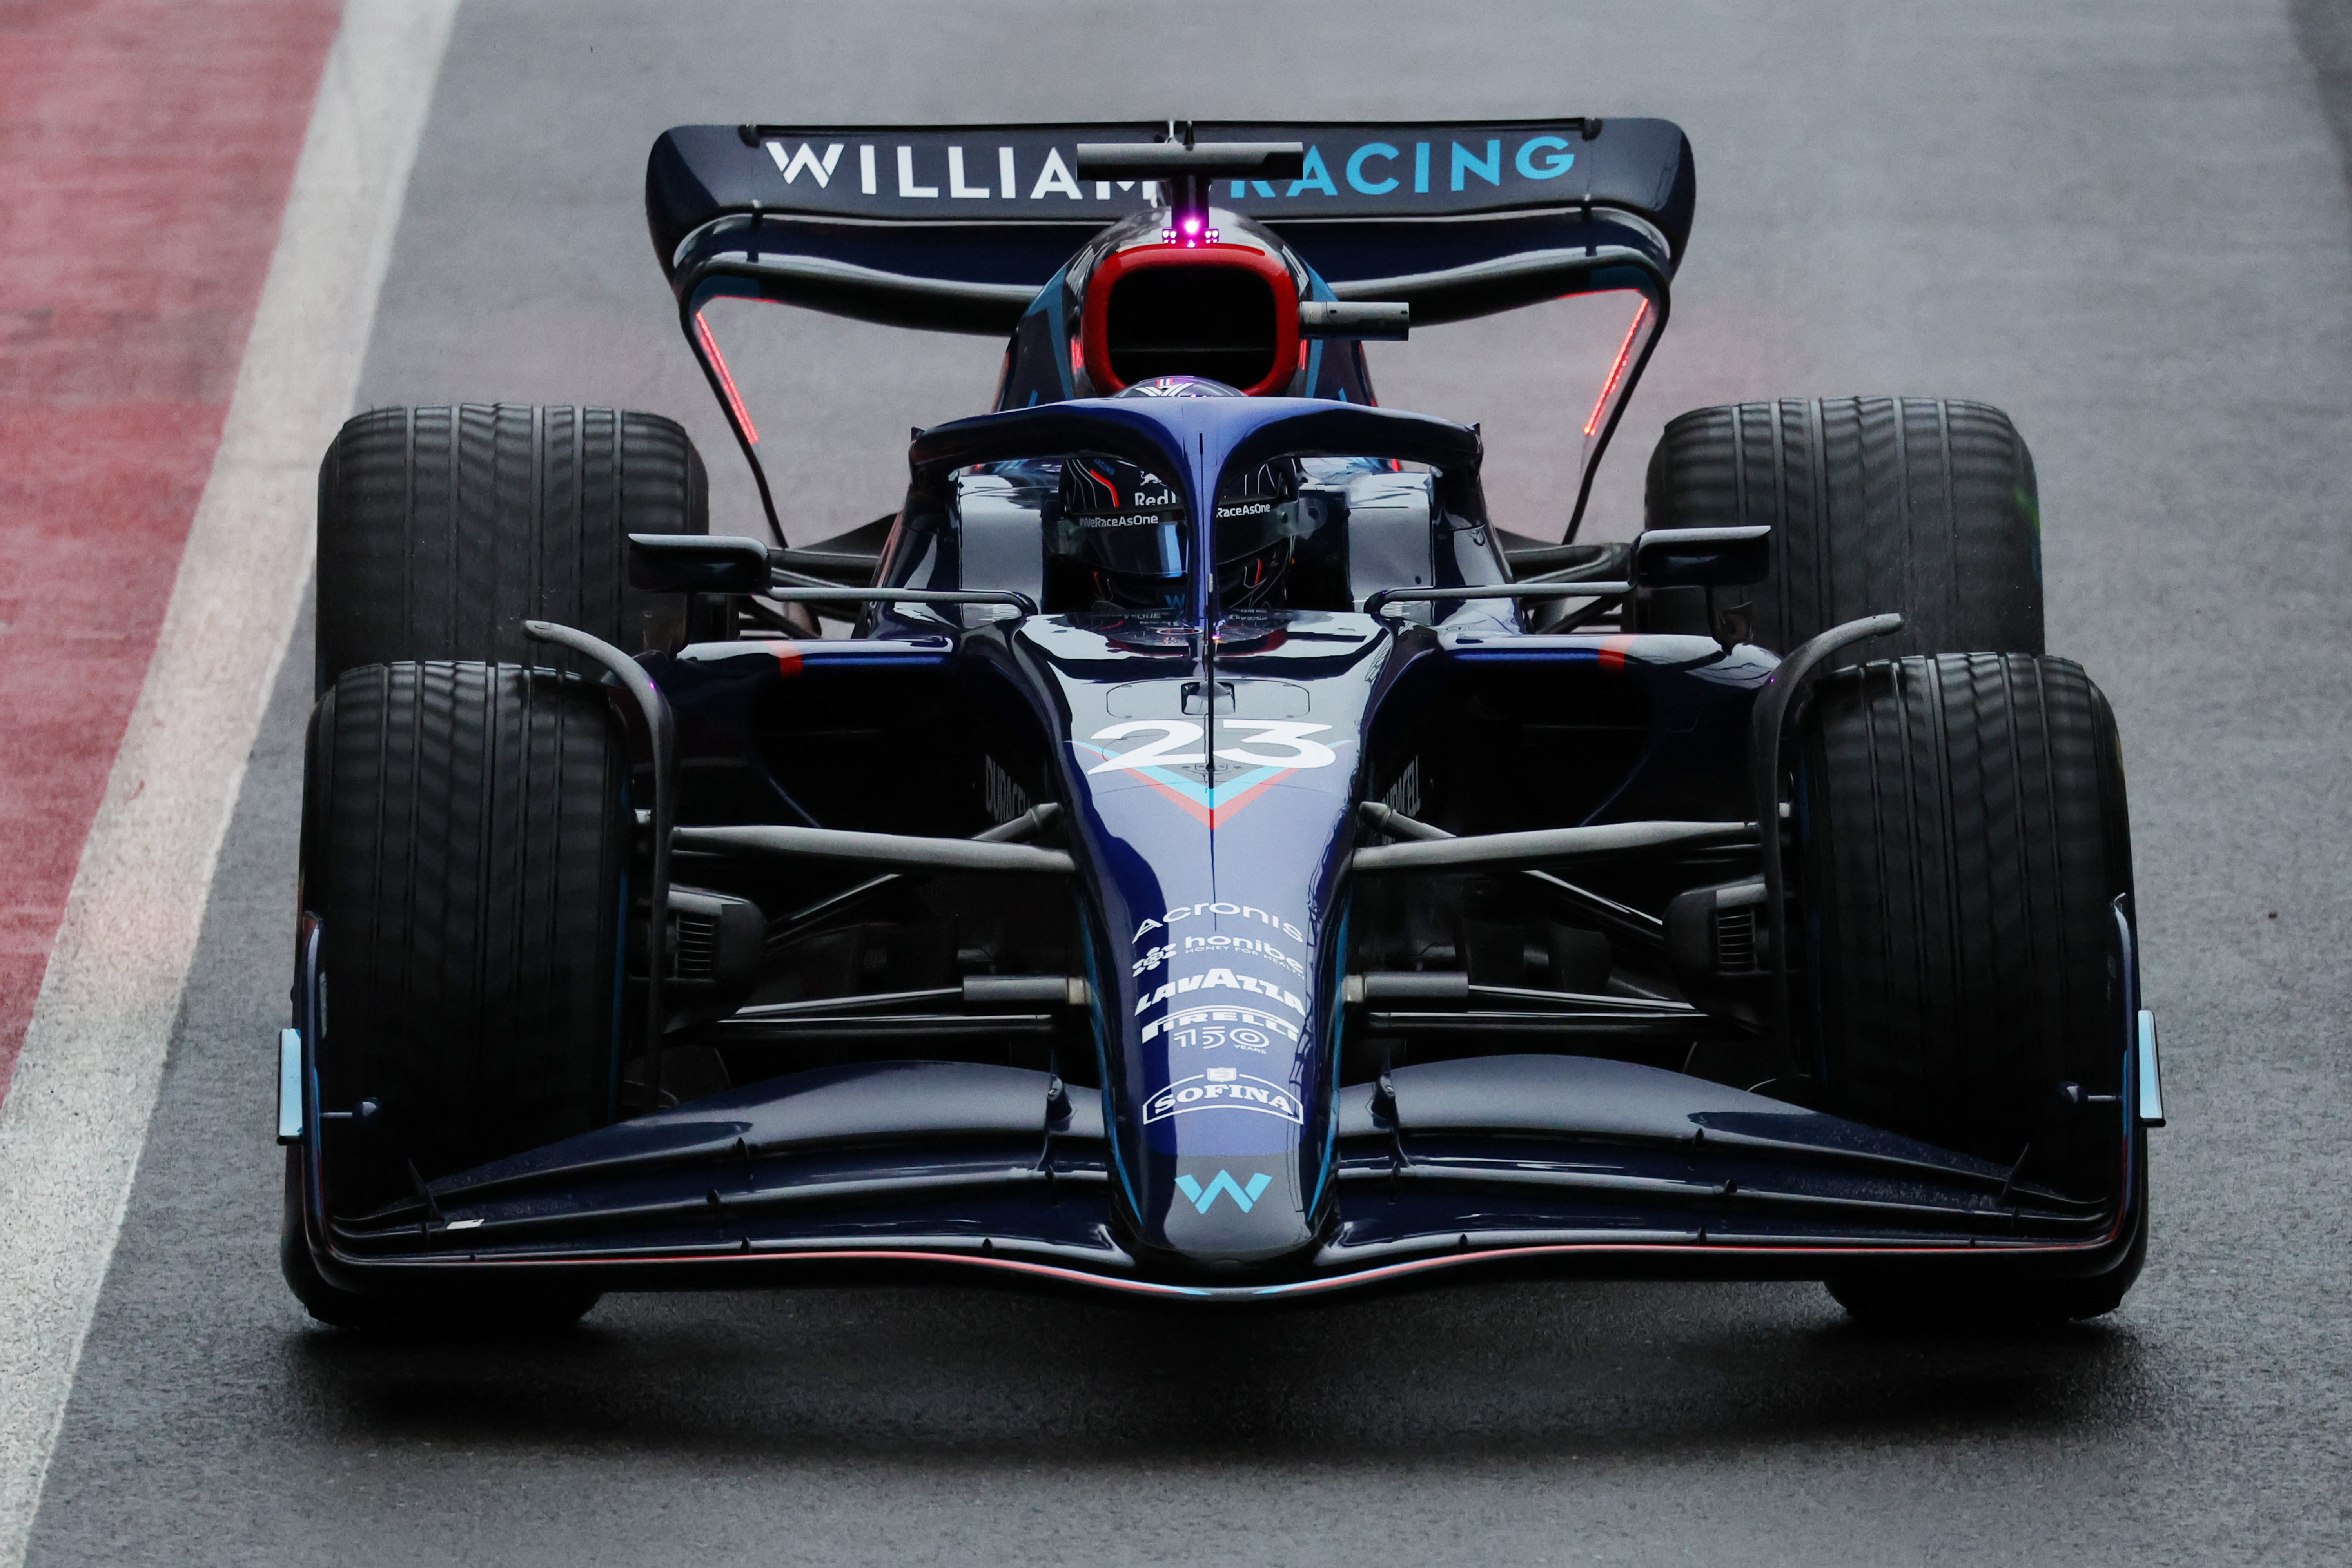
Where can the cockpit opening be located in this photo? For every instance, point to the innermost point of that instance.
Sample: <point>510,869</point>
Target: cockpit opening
<point>1214,321</point>
<point>1292,533</point>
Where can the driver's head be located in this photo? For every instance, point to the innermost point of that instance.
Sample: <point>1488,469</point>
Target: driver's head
<point>1126,526</point>
<point>1252,529</point>
<point>1179,386</point>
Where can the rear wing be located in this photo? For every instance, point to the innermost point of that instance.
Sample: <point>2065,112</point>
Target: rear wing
<point>956,228</point>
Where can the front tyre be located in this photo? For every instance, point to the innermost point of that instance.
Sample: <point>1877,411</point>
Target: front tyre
<point>1962,839</point>
<point>1896,1303</point>
<point>474,1311</point>
<point>465,840</point>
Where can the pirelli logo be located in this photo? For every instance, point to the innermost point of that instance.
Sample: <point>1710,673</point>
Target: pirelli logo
<point>1243,1028</point>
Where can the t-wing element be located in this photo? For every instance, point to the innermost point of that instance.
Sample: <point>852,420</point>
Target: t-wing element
<point>1184,169</point>
<point>1365,318</point>
<point>1189,160</point>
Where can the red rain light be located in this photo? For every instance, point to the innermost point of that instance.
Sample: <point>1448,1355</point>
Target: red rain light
<point>725,379</point>
<point>1616,371</point>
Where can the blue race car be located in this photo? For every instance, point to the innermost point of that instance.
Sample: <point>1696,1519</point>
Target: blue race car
<point>1193,849</point>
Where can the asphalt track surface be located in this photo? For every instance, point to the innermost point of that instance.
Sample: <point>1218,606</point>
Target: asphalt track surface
<point>2127,223</point>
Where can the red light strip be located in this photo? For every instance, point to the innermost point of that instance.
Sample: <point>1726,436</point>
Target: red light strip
<point>1617,370</point>
<point>727,378</point>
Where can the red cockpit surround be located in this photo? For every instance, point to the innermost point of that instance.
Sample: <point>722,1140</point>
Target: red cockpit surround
<point>1211,324</point>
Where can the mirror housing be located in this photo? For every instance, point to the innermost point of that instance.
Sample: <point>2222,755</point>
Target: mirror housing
<point>699,563</point>
<point>1702,557</point>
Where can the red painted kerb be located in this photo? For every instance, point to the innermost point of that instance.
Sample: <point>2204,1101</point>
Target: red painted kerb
<point>146,148</point>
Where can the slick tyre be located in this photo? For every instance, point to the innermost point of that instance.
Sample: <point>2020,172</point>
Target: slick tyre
<point>1916,505</point>
<point>442,529</point>
<point>463,843</point>
<point>1962,840</point>
<point>472,1313</point>
<point>1943,1304</point>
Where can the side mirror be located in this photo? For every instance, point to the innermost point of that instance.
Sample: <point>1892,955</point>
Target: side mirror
<point>697,563</point>
<point>1702,557</point>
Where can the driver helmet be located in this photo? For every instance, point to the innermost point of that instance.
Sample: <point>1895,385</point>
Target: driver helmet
<point>1127,527</point>
<point>1179,386</point>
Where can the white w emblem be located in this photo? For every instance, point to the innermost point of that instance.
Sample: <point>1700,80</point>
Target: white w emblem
<point>806,159</point>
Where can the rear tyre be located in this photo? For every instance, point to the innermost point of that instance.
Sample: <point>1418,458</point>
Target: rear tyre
<point>1963,838</point>
<point>442,529</point>
<point>465,839</point>
<point>1917,505</point>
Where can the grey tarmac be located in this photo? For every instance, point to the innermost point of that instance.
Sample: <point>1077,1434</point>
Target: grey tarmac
<point>2126,223</point>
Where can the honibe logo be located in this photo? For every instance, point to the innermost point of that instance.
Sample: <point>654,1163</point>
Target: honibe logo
<point>1245,1198</point>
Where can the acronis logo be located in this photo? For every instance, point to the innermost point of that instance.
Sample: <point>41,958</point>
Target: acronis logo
<point>1223,1184</point>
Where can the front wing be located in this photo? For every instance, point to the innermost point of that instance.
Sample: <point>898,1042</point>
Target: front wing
<point>1527,1164</point>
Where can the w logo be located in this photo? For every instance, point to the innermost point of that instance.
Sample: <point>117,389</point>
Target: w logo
<point>1245,1198</point>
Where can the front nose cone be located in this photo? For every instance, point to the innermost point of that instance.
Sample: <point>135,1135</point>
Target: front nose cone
<point>1235,1211</point>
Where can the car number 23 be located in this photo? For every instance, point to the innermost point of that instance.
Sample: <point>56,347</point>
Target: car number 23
<point>1266,744</point>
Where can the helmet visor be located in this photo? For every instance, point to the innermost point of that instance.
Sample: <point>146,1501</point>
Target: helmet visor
<point>1117,517</point>
<point>1256,510</point>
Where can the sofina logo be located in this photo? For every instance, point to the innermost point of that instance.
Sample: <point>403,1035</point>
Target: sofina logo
<point>1245,1198</point>
<point>1223,1088</point>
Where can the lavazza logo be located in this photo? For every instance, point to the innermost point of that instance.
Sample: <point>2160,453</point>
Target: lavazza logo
<point>1235,1022</point>
<point>997,174</point>
<point>1200,1018</point>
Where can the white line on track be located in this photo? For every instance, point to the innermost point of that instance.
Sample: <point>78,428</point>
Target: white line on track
<point>76,1115</point>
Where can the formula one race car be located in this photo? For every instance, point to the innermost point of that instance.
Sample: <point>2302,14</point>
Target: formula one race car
<point>1191,850</point>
